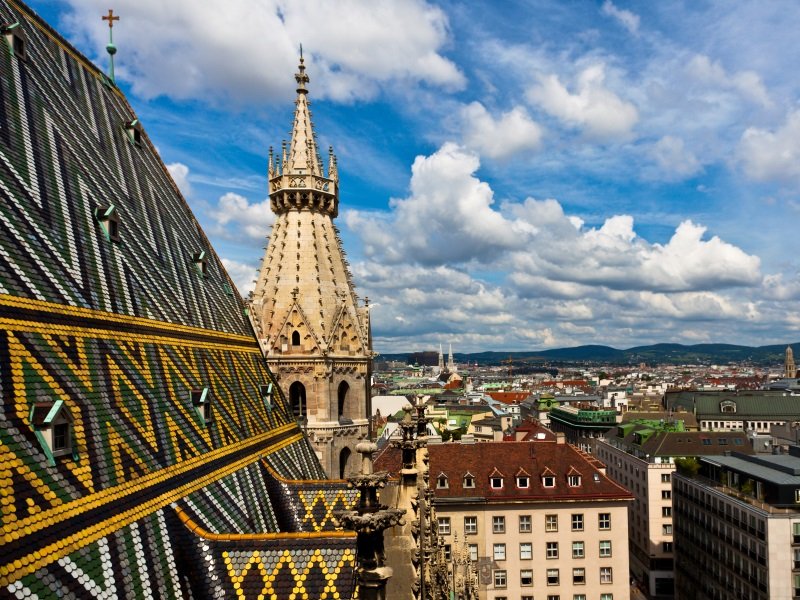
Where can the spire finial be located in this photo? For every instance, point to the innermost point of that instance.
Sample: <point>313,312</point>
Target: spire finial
<point>300,77</point>
<point>111,48</point>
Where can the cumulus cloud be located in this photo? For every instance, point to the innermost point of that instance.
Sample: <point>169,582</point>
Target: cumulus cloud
<point>236,218</point>
<point>180,175</point>
<point>674,159</point>
<point>592,107</point>
<point>185,49</point>
<point>746,83</point>
<point>626,18</point>
<point>243,275</point>
<point>772,155</point>
<point>509,134</point>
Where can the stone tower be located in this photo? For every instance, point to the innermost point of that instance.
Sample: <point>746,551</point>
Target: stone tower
<point>790,370</point>
<point>314,333</point>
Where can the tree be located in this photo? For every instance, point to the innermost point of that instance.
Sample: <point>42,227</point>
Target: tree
<point>688,466</point>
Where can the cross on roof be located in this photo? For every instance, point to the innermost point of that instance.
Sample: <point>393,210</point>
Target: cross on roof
<point>110,18</point>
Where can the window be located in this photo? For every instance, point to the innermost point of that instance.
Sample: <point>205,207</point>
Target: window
<point>552,577</point>
<point>549,481</point>
<point>577,550</point>
<point>574,481</point>
<point>606,596</point>
<point>265,391</point>
<point>552,549</point>
<point>553,597</point>
<point>666,529</point>
<point>579,576</point>
<point>498,524</point>
<point>605,548</point>
<point>525,524</point>
<point>500,578</point>
<point>200,260</point>
<point>577,522</point>
<point>666,477</point>
<point>470,525</point>
<point>444,525</point>
<point>706,442</point>
<point>579,597</point>
<point>525,551</point>
<point>606,575</point>
<point>666,546</point>
<point>551,522</point>
<point>499,551</point>
<point>441,482</point>
<point>15,39</point>
<point>133,129</point>
<point>666,494</point>
<point>201,400</point>
<point>797,495</point>
<point>604,521</point>
<point>469,481</point>
<point>447,552</point>
<point>52,426</point>
<point>526,577</point>
<point>666,511</point>
<point>473,552</point>
<point>61,438</point>
<point>108,219</point>
<point>523,482</point>
<point>496,482</point>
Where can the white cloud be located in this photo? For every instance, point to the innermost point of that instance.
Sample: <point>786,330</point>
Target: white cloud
<point>626,18</point>
<point>235,217</point>
<point>772,155</point>
<point>185,49</point>
<point>746,83</point>
<point>180,175</point>
<point>243,275</point>
<point>509,134</point>
<point>601,113</point>
<point>674,159</point>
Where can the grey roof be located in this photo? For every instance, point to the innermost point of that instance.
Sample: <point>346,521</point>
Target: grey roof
<point>781,469</point>
<point>760,404</point>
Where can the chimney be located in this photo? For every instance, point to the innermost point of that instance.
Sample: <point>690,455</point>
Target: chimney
<point>560,437</point>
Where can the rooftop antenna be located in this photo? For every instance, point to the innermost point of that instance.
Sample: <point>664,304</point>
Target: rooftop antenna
<point>111,48</point>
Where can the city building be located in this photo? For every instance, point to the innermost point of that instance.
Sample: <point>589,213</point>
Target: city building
<point>539,519</point>
<point>581,423</point>
<point>146,451</point>
<point>737,527</point>
<point>311,326</point>
<point>641,456</point>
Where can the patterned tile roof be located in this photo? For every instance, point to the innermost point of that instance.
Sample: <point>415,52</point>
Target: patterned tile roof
<point>172,473</point>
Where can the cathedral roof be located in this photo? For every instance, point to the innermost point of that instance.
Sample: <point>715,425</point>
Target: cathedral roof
<point>145,449</point>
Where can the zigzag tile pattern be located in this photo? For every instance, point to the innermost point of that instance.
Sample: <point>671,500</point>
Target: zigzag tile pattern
<point>161,495</point>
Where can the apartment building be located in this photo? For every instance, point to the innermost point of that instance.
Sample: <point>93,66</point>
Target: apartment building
<point>737,528</point>
<point>640,456</point>
<point>539,519</point>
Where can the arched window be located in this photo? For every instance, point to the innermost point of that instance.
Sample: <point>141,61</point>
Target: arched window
<point>344,387</point>
<point>344,456</point>
<point>297,398</point>
<point>296,338</point>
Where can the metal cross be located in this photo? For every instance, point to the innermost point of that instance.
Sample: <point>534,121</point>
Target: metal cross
<point>110,18</point>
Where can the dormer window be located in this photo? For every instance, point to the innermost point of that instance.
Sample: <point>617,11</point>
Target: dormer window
<point>441,482</point>
<point>573,480</point>
<point>548,479</point>
<point>15,40</point>
<point>469,480</point>
<point>727,406</point>
<point>200,260</point>
<point>52,425</point>
<point>133,130</point>
<point>496,482</point>
<point>265,391</point>
<point>523,481</point>
<point>201,400</point>
<point>108,219</point>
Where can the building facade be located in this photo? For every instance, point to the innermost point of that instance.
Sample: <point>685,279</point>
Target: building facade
<point>312,328</point>
<point>641,457</point>
<point>540,519</point>
<point>737,528</point>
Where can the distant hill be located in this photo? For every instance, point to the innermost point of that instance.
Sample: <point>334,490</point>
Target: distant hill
<point>675,354</point>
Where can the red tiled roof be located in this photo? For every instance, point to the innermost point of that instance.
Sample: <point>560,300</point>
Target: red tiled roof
<point>481,459</point>
<point>509,397</point>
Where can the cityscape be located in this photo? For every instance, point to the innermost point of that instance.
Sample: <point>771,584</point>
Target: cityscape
<point>447,397</point>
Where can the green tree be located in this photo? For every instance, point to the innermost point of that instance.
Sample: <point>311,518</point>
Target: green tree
<point>688,466</point>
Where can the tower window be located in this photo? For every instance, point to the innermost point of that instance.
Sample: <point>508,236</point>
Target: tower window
<point>295,338</point>
<point>265,391</point>
<point>201,400</point>
<point>52,425</point>
<point>200,260</point>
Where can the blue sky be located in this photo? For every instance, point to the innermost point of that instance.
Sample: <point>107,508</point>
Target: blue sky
<point>514,176</point>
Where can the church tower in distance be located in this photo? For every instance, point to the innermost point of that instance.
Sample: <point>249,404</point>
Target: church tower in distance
<point>314,334</point>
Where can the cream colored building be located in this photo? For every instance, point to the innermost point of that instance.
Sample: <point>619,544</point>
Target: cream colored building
<point>540,519</point>
<point>312,328</point>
